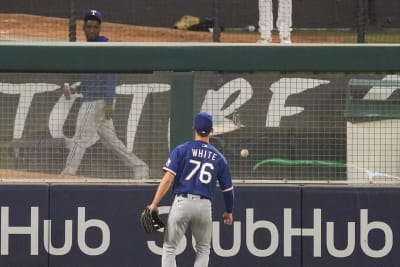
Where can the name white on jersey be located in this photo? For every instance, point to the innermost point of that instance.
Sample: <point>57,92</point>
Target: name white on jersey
<point>204,154</point>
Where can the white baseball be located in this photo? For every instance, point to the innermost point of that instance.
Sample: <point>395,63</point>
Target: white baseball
<point>244,153</point>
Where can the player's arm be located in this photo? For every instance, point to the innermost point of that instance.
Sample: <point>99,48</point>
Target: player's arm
<point>68,89</point>
<point>225,182</point>
<point>228,199</point>
<point>162,189</point>
<point>110,94</point>
<point>110,86</point>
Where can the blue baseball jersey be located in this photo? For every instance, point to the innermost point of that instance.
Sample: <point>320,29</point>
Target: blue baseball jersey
<point>197,167</point>
<point>99,86</point>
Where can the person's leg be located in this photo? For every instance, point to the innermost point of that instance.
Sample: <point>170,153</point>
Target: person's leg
<point>284,21</point>
<point>265,21</point>
<point>110,139</point>
<point>201,227</point>
<point>177,224</point>
<point>85,136</point>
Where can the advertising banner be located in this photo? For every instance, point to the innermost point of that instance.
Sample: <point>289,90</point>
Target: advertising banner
<point>292,124</point>
<point>344,226</point>
<point>24,211</point>
<point>98,225</point>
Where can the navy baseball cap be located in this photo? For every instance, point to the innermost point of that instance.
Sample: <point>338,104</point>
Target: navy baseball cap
<point>93,14</point>
<point>203,123</point>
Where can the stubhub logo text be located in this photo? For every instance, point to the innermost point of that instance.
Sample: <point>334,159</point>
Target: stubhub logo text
<point>360,235</point>
<point>362,229</point>
<point>31,229</point>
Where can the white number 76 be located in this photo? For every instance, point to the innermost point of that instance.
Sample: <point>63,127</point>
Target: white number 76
<point>205,176</point>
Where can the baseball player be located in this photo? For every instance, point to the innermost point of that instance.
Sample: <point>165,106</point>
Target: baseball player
<point>193,169</point>
<point>94,117</point>
<point>283,22</point>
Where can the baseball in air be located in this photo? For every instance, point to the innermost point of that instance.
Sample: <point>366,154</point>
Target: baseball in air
<point>244,153</point>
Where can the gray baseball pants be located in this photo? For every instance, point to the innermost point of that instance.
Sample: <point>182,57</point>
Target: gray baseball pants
<point>266,20</point>
<point>188,212</point>
<point>91,125</point>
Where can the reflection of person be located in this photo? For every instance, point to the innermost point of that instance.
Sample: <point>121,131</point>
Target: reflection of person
<point>94,117</point>
<point>193,169</point>
<point>283,22</point>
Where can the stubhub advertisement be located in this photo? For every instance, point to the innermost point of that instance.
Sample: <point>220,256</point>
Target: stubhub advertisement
<point>98,225</point>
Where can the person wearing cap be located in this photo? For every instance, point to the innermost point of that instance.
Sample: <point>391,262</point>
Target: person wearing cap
<point>94,118</point>
<point>193,170</point>
<point>92,26</point>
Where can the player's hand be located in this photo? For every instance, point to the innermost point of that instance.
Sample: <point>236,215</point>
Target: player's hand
<point>108,111</point>
<point>152,207</point>
<point>67,91</point>
<point>228,218</point>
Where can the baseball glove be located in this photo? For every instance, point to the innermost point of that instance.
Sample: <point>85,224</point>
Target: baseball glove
<point>150,220</point>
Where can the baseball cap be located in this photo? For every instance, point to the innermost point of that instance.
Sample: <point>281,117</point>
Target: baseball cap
<point>93,14</point>
<point>203,123</point>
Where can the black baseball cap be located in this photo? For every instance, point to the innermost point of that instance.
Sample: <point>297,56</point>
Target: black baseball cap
<point>93,14</point>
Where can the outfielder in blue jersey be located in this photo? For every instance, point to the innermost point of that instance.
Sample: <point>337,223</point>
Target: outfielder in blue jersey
<point>193,170</point>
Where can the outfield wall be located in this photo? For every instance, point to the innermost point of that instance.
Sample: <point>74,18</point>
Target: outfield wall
<point>98,225</point>
<point>288,105</point>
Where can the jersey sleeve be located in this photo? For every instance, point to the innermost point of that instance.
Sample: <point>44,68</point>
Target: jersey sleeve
<point>224,177</point>
<point>225,182</point>
<point>171,165</point>
<point>110,81</point>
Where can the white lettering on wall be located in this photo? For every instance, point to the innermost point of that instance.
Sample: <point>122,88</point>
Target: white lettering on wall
<point>47,238</point>
<point>84,225</point>
<point>139,92</point>
<point>289,232</point>
<point>330,240</point>
<point>216,242</point>
<point>281,90</point>
<point>214,102</point>
<point>26,92</point>
<point>252,226</point>
<point>32,230</point>
<point>366,228</point>
<point>59,113</point>
<point>7,230</point>
<point>314,232</point>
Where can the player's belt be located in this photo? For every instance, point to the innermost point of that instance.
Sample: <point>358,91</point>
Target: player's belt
<point>190,196</point>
